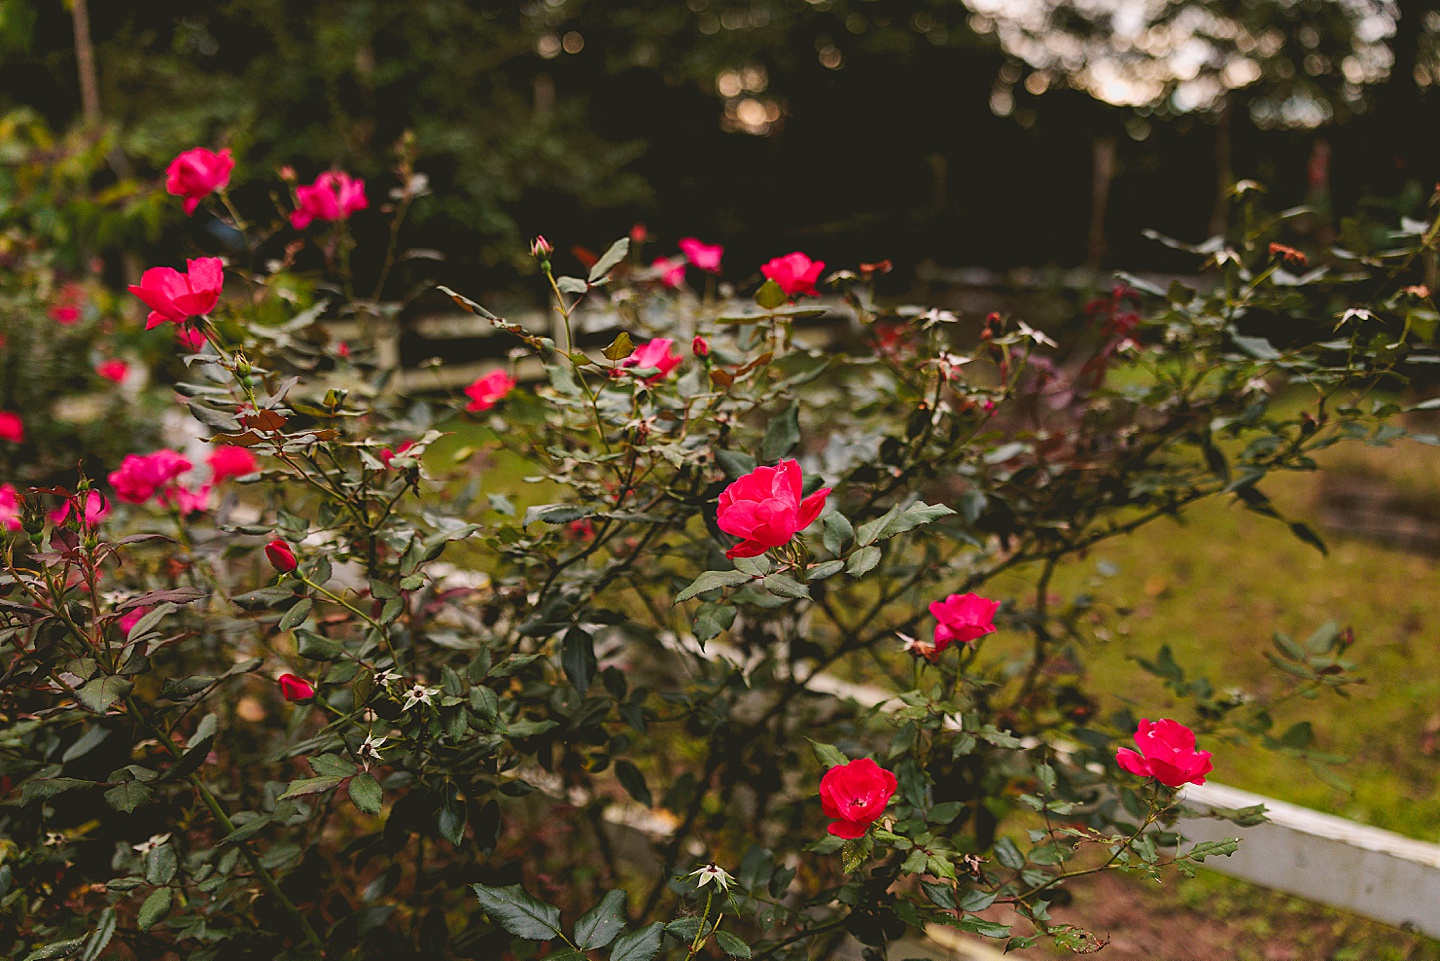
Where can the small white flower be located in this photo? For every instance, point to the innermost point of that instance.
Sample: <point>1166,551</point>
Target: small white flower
<point>1257,385</point>
<point>937,316</point>
<point>371,748</point>
<point>145,847</point>
<point>1357,313</point>
<point>54,839</point>
<point>711,872</point>
<point>387,677</point>
<point>419,694</point>
<point>1026,330</point>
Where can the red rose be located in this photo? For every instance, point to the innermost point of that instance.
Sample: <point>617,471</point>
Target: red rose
<point>113,369</point>
<point>1167,753</point>
<point>765,509</point>
<point>387,455</point>
<point>855,795</point>
<point>295,688</point>
<point>659,354</point>
<point>705,257</point>
<point>197,173</point>
<point>334,195</point>
<point>174,296</point>
<point>142,476</point>
<point>228,461</point>
<point>700,347</point>
<point>282,558</point>
<point>489,390</point>
<point>794,273</point>
<point>961,618</point>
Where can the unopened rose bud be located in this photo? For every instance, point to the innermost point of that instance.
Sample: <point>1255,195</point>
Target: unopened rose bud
<point>638,234</point>
<point>700,347</point>
<point>295,688</point>
<point>282,558</point>
<point>540,248</point>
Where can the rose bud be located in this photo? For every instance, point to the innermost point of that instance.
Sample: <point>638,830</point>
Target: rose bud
<point>282,558</point>
<point>540,248</point>
<point>700,347</point>
<point>295,688</point>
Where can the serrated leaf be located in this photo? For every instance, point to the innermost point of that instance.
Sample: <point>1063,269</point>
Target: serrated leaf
<point>863,561</point>
<point>128,796</point>
<point>615,253</point>
<point>620,348</point>
<point>712,620</point>
<point>365,791</point>
<point>828,754</point>
<point>519,913</point>
<point>837,532</point>
<point>602,923</point>
<point>782,586</point>
<point>642,945</point>
<point>557,513</point>
<point>311,785</point>
<point>45,787</point>
<point>854,854</point>
<point>821,571</point>
<point>867,532</point>
<point>1257,347</point>
<point>712,580</point>
<point>161,864</point>
<point>155,908</point>
<point>571,285</point>
<point>732,945</point>
<point>102,692</point>
<point>57,949</point>
<point>296,615</point>
<point>782,433</point>
<point>912,517</point>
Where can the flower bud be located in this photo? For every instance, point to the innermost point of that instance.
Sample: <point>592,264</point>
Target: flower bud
<point>295,688</point>
<point>700,347</point>
<point>540,248</point>
<point>282,558</point>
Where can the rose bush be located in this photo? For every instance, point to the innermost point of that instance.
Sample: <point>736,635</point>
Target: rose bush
<point>376,692</point>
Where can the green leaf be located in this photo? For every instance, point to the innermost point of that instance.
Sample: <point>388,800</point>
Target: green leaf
<point>577,655</point>
<point>600,925</point>
<point>821,571</point>
<point>44,787</point>
<point>712,580</point>
<point>58,949</point>
<point>732,945</point>
<point>101,693</point>
<point>867,533</point>
<point>712,620</point>
<point>1257,347</point>
<point>156,906</point>
<point>1307,534</point>
<point>296,615</point>
<point>640,945</point>
<point>757,566</point>
<point>557,513</point>
<point>311,785</point>
<point>161,864</point>
<point>1213,849</point>
<point>571,285</point>
<point>837,532</point>
<point>1008,854</point>
<point>828,754</point>
<point>781,434</point>
<point>365,792</point>
<point>620,348</point>
<point>914,516</point>
<point>518,913</point>
<point>782,586</point>
<point>854,854</point>
<point>863,561</point>
<point>633,782</point>
<point>147,623</point>
<point>612,256</point>
<point>770,295</point>
<point>128,796</point>
<point>945,813</point>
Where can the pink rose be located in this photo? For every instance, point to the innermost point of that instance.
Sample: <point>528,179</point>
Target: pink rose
<point>1167,753</point>
<point>190,337</point>
<point>142,476</point>
<point>387,455</point>
<point>962,618</point>
<point>9,508</point>
<point>489,390</point>
<point>188,501</point>
<point>705,257</point>
<point>132,617</point>
<point>295,688</point>
<point>12,428</point>
<point>228,461</point>
<point>765,510</point>
<point>334,196</point>
<point>855,795</point>
<point>700,347</point>
<point>672,272</point>
<point>794,273</point>
<point>176,297</point>
<point>96,509</point>
<point>113,369</point>
<point>197,173</point>
<point>659,354</point>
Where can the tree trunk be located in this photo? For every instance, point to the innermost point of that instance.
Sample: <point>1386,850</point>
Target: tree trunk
<point>1103,174</point>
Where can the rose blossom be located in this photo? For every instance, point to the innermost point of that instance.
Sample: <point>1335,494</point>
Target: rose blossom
<point>113,369</point>
<point>176,297</point>
<point>855,795</point>
<point>334,195</point>
<point>794,273</point>
<point>764,508</point>
<point>132,617</point>
<point>672,272</point>
<point>705,257</point>
<point>192,338</point>
<point>9,508</point>
<point>962,618</point>
<point>295,688</point>
<point>187,501</point>
<point>196,174</point>
<point>387,455</point>
<point>1167,753</point>
<point>659,353</point>
<point>12,428</point>
<point>96,509</point>
<point>228,461</point>
<point>489,390</point>
<point>142,476</point>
